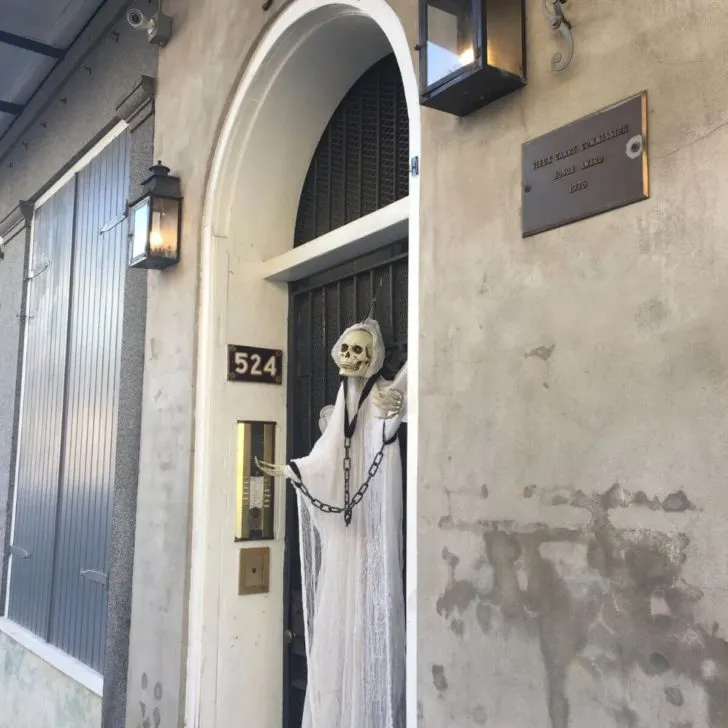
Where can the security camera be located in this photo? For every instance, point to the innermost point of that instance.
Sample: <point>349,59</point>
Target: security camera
<point>158,27</point>
<point>137,19</point>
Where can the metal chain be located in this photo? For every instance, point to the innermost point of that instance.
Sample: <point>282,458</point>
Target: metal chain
<point>359,495</point>
<point>347,479</point>
<point>349,503</point>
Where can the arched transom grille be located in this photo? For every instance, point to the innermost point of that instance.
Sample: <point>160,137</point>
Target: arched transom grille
<point>361,163</point>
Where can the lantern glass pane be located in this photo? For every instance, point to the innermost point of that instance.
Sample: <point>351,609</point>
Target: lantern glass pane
<point>164,231</point>
<point>140,229</point>
<point>504,47</point>
<point>450,38</point>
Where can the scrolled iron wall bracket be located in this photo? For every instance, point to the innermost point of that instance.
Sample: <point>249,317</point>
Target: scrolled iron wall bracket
<point>554,11</point>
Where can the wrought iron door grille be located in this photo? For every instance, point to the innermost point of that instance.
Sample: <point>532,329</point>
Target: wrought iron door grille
<point>361,163</point>
<point>321,307</point>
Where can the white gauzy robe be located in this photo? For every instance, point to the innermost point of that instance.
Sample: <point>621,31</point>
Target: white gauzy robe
<point>352,576</point>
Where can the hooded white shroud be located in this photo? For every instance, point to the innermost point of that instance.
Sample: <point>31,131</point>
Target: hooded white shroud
<point>352,576</point>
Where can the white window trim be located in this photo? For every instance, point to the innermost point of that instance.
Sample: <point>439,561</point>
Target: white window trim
<point>55,657</point>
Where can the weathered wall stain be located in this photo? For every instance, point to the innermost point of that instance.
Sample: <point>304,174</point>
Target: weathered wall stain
<point>438,678</point>
<point>627,607</point>
<point>480,716</point>
<point>542,352</point>
<point>153,718</point>
<point>459,594</point>
<point>33,694</point>
<point>651,314</point>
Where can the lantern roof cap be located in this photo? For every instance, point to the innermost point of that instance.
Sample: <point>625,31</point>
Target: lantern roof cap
<point>160,182</point>
<point>159,169</point>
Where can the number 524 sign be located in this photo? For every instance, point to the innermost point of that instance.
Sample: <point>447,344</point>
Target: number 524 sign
<point>252,364</point>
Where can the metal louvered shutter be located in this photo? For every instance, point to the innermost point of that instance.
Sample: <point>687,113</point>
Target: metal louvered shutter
<point>70,410</point>
<point>39,449</point>
<point>78,624</point>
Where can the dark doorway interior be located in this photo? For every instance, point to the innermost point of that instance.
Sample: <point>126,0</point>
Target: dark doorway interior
<point>321,307</point>
<point>361,164</point>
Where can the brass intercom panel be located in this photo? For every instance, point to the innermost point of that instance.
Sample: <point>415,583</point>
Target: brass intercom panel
<point>255,492</point>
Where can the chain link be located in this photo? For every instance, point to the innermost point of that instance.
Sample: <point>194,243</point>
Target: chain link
<point>347,479</point>
<point>349,502</point>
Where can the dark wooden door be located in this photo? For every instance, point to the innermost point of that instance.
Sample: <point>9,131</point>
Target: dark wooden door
<point>321,307</point>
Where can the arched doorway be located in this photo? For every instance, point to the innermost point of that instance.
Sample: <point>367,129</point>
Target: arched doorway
<point>297,76</point>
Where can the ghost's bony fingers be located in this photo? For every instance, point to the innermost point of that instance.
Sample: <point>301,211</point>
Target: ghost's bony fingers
<point>264,467</point>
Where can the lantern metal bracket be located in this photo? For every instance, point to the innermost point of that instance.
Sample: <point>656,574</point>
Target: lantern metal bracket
<point>554,11</point>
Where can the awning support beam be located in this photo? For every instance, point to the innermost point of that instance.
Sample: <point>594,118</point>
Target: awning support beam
<point>8,108</point>
<point>20,41</point>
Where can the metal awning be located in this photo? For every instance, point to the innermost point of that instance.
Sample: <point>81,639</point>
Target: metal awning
<point>34,38</point>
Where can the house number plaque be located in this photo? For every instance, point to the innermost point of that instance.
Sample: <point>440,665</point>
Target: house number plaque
<point>253,364</point>
<point>592,165</point>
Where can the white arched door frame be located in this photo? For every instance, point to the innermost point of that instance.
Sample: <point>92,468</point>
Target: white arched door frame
<point>282,47</point>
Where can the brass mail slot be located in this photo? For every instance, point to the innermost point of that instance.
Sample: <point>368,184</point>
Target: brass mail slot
<point>255,492</point>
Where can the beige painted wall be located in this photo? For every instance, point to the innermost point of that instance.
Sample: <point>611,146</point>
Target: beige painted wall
<point>590,355</point>
<point>548,610</point>
<point>35,695</point>
<point>197,71</point>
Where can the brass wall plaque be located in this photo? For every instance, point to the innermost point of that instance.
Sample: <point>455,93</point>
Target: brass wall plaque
<point>592,165</point>
<point>255,491</point>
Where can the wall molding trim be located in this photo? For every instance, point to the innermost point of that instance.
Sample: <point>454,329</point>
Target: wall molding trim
<point>136,106</point>
<point>15,222</point>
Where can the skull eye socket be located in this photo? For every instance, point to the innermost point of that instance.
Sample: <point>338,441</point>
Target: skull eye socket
<point>344,348</point>
<point>357,350</point>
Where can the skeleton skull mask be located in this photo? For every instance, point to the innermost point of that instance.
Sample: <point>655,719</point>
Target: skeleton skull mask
<point>355,353</point>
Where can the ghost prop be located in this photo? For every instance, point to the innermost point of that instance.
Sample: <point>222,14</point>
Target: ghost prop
<point>351,544</point>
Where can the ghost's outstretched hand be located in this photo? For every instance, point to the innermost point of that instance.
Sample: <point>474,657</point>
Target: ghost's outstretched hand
<point>275,471</point>
<point>389,402</point>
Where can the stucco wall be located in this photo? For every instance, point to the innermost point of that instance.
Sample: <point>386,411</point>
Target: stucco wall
<point>590,355</point>
<point>36,695</point>
<point>573,546</point>
<point>198,73</point>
